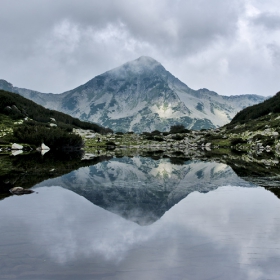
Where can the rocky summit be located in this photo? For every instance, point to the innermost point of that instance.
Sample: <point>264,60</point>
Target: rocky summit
<point>142,95</point>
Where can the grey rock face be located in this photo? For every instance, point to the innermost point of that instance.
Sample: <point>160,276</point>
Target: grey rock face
<point>142,96</point>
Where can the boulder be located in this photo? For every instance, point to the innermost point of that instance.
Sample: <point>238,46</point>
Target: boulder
<point>16,146</point>
<point>20,191</point>
<point>16,152</point>
<point>43,152</point>
<point>44,147</point>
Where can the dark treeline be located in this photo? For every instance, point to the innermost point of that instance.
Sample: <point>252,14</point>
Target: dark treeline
<point>17,107</point>
<point>271,105</point>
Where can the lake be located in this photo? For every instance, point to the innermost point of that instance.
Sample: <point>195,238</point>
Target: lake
<point>141,218</point>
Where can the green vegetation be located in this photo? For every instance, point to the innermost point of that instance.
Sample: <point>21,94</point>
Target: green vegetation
<point>23,121</point>
<point>271,105</point>
<point>55,137</point>
<point>18,107</point>
<point>178,129</point>
<point>235,141</point>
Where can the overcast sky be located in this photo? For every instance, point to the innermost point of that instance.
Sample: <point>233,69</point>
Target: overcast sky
<point>228,46</point>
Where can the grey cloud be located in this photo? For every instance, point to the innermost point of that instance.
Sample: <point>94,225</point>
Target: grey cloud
<point>55,46</point>
<point>268,20</point>
<point>275,51</point>
<point>178,26</point>
<point>182,27</point>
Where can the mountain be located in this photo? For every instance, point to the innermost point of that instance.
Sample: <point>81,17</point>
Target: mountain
<point>142,95</point>
<point>154,186</point>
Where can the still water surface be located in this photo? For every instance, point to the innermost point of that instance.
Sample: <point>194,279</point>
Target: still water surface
<point>137,218</point>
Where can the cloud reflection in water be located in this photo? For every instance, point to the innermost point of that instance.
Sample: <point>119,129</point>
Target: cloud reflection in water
<point>231,232</point>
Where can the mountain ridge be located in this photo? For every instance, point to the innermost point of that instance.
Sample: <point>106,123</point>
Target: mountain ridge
<point>141,95</point>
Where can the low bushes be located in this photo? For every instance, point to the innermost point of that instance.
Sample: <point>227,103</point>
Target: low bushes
<point>52,137</point>
<point>235,141</point>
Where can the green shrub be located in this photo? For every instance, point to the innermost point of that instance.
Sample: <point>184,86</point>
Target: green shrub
<point>178,137</point>
<point>235,141</point>
<point>149,137</point>
<point>110,143</point>
<point>266,140</point>
<point>178,129</point>
<point>159,139</point>
<point>52,137</point>
<point>156,132</point>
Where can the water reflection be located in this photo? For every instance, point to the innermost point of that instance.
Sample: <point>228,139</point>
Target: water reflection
<point>26,170</point>
<point>142,189</point>
<point>229,233</point>
<point>138,218</point>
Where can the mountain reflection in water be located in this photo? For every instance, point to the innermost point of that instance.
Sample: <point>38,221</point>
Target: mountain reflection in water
<point>142,189</point>
<point>138,218</point>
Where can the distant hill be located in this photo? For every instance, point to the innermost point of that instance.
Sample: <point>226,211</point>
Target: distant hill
<point>18,107</point>
<point>141,95</point>
<point>271,105</point>
<point>24,121</point>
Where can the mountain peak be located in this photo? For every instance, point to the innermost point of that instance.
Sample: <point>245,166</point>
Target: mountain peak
<point>146,60</point>
<point>137,66</point>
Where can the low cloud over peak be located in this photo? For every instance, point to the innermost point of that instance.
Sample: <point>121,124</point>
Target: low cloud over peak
<point>222,45</point>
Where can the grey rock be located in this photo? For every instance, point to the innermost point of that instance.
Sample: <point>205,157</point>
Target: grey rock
<point>20,191</point>
<point>16,146</point>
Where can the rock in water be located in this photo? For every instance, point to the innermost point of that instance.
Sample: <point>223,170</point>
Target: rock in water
<point>44,152</point>
<point>44,147</point>
<point>16,152</point>
<point>16,146</point>
<point>20,191</point>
